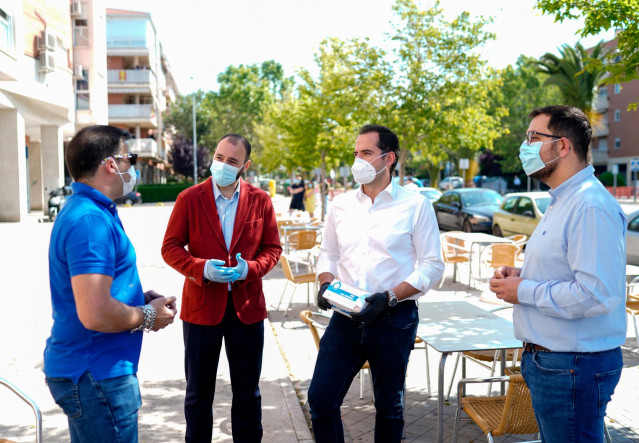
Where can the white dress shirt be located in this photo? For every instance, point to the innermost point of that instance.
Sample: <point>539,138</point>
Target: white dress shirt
<point>376,246</point>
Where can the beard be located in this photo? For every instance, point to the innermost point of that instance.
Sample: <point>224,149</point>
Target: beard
<point>543,174</point>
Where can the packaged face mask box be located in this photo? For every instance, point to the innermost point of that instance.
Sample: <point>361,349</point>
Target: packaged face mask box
<point>346,298</point>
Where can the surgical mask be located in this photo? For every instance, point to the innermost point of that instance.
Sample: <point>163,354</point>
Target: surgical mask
<point>127,187</point>
<point>530,158</point>
<point>224,174</point>
<point>364,172</point>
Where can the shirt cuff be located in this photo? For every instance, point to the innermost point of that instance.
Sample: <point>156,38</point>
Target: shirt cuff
<point>418,281</point>
<point>325,266</point>
<point>526,292</point>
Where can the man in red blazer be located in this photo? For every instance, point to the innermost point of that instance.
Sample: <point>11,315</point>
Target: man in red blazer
<point>222,236</point>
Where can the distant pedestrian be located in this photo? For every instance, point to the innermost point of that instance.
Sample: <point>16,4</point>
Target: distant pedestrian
<point>309,199</point>
<point>569,296</point>
<point>384,239</point>
<point>222,237</point>
<point>297,195</point>
<point>517,183</point>
<point>99,308</point>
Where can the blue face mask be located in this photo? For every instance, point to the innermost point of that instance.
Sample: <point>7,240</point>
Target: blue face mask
<point>530,158</point>
<point>224,174</point>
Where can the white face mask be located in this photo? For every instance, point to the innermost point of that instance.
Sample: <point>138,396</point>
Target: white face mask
<point>364,172</point>
<point>127,187</point>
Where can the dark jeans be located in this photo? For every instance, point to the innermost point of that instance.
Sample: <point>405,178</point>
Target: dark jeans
<point>570,392</point>
<point>104,411</point>
<point>244,345</point>
<point>386,343</point>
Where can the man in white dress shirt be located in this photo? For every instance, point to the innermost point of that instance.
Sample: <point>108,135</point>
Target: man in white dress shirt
<point>383,239</point>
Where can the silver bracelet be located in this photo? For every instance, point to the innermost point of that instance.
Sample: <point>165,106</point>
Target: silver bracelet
<point>149,318</point>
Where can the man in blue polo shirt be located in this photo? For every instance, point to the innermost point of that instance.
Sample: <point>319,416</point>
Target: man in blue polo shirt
<point>99,308</point>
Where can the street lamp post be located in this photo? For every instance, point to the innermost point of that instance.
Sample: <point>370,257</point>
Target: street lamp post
<point>194,144</point>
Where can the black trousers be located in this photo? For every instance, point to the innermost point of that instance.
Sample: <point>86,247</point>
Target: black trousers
<point>244,346</point>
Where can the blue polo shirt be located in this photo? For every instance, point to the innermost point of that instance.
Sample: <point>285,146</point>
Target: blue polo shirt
<point>88,238</point>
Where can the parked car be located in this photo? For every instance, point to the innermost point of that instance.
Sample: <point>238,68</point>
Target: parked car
<point>632,239</point>
<point>129,199</point>
<point>520,213</point>
<point>431,194</point>
<point>467,209</point>
<point>451,182</point>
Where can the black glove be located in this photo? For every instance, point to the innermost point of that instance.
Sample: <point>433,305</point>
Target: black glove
<point>376,304</point>
<point>322,303</point>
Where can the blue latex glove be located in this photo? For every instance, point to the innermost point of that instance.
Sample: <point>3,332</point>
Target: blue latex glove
<point>376,304</point>
<point>241,265</point>
<point>214,271</point>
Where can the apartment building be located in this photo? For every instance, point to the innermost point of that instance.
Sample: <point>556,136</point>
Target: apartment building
<point>615,138</point>
<point>140,88</point>
<point>36,102</point>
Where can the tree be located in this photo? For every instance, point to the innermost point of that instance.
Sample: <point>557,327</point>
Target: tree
<point>577,84</point>
<point>181,116</point>
<point>602,15</point>
<point>181,156</point>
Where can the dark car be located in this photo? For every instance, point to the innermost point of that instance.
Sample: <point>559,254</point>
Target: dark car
<point>467,209</point>
<point>129,199</point>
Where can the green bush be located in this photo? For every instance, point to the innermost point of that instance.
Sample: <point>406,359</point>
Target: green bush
<point>607,179</point>
<point>162,193</point>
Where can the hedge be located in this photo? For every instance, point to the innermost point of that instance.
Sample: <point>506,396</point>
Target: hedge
<point>607,179</point>
<point>162,193</point>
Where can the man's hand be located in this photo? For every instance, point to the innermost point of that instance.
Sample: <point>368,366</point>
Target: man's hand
<point>214,271</point>
<point>322,303</point>
<point>507,271</point>
<point>149,296</point>
<point>165,311</point>
<point>241,265</point>
<point>376,304</point>
<point>505,287</point>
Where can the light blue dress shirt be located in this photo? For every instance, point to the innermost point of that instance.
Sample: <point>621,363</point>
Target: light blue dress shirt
<point>226,210</point>
<point>572,298</point>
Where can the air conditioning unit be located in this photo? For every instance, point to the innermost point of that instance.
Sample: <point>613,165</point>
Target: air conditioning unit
<point>76,9</point>
<point>46,61</point>
<point>78,72</point>
<point>46,40</point>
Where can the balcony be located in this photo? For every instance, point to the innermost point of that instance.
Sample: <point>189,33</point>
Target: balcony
<point>601,103</point>
<point>147,148</point>
<point>599,156</point>
<point>128,81</point>
<point>143,115</point>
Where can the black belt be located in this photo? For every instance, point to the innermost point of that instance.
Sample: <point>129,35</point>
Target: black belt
<point>530,347</point>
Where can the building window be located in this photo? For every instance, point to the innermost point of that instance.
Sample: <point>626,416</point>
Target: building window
<point>6,32</point>
<point>617,115</point>
<point>603,91</point>
<point>80,32</point>
<point>603,144</point>
<point>617,143</point>
<point>82,95</point>
<point>617,88</point>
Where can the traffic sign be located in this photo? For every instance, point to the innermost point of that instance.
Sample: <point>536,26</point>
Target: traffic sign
<point>634,165</point>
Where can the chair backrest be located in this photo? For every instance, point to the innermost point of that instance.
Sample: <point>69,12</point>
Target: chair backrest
<point>453,248</point>
<point>518,238</point>
<point>306,317</point>
<point>281,223</point>
<point>503,254</point>
<point>286,267</point>
<point>518,416</point>
<point>304,239</point>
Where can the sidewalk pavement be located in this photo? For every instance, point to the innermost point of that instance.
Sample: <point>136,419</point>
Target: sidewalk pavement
<point>289,354</point>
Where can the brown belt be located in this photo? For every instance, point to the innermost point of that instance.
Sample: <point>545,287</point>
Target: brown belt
<point>530,347</point>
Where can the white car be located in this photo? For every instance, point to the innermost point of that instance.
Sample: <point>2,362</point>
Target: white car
<point>520,213</point>
<point>451,182</point>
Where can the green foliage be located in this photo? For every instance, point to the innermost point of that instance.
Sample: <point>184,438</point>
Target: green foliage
<point>578,82</point>
<point>162,193</point>
<point>602,15</point>
<point>607,179</point>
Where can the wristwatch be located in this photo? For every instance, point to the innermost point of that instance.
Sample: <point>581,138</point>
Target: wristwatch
<point>392,298</point>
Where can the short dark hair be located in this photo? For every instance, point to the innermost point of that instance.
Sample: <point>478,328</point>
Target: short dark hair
<point>235,139</point>
<point>388,141</point>
<point>570,122</point>
<point>90,146</point>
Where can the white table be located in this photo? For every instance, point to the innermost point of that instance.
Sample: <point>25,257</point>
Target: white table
<point>479,239</point>
<point>286,229</point>
<point>459,326</point>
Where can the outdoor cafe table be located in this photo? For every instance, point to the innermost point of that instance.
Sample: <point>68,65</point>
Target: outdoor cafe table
<point>287,229</point>
<point>459,326</point>
<point>479,239</point>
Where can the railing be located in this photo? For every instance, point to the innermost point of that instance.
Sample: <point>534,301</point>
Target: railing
<point>130,76</point>
<point>131,111</point>
<point>622,191</point>
<point>147,148</point>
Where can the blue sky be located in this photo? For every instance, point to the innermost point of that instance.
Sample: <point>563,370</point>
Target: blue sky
<point>202,37</point>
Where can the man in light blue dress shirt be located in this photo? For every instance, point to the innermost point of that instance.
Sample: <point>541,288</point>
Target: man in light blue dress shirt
<point>569,296</point>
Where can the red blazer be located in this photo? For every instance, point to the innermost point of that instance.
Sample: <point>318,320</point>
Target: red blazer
<point>194,235</point>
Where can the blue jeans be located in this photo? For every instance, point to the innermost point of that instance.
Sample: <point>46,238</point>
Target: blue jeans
<point>386,343</point>
<point>104,411</point>
<point>570,392</point>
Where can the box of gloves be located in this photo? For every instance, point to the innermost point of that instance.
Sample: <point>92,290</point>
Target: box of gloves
<point>345,298</point>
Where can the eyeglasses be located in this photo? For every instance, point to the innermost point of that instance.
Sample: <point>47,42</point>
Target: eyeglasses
<point>531,134</point>
<point>132,158</point>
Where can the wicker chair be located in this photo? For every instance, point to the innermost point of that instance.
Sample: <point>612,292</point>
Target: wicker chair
<point>632,304</point>
<point>295,280</point>
<point>506,414</point>
<point>454,251</point>
<point>307,317</point>
<point>502,254</point>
